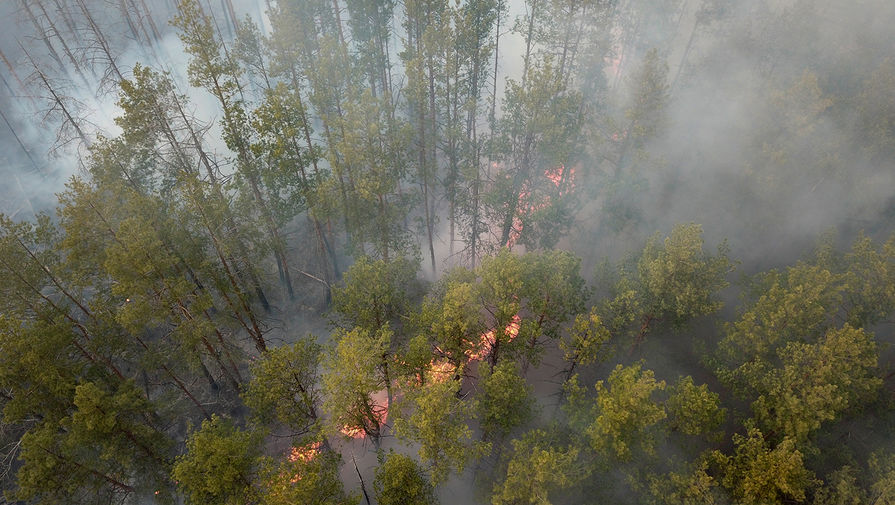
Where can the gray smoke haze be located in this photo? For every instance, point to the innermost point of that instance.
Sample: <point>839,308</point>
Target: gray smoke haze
<point>764,142</point>
<point>40,148</point>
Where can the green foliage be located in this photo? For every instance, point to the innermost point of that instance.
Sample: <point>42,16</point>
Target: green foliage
<point>694,486</point>
<point>311,481</point>
<point>113,423</point>
<point>416,359</point>
<point>817,382</point>
<point>882,471</point>
<point>218,465</point>
<point>541,130</point>
<point>284,386</point>
<point>37,369</point>
<point>289,170</point>
<point>765,474</point>
<point>47,474</point>
<point>535,469</point>
<point>626,414</point>
<point>552,292</point>
<point>351,376</point>
<point>505,401</point>
<point>793,305</point>
<point>672,282</point>
<point>86,436</point>
<point>198,35</point>
<point>375,292</point>
<point>646,109</point>
<point>625,305</point>
<point>805,301</point>
<point>536,293</point>
<point>588,340</point>
<point>503,278</point>
<point>102,450</point>
<point>433,417</point>
<point>578,407</point>
<point>785,351</point>
<point>678,279</point>
<point>451,316</point>
<point>841,488</point>
<point>370,157</point>
<point>400,481</point>
<point>869,281</point>
<point>693,410</point>
<point>127,316</point>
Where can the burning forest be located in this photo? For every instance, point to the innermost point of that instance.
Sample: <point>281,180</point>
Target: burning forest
<point>496,252</point>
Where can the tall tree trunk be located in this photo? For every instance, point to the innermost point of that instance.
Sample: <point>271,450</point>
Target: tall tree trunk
<point>210,172</point>
<point>22,146</point>
<point>39,32</point>
<point>15,75</point>
<point>103,43</point>
<point>74,63</point>
<point>529,40</point>
<point>433,162</point>
<point>57,101</point>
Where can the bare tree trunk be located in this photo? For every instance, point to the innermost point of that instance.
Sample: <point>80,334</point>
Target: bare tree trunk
<point>75,65</point>
<point>203,157</point>
<point>39,32</point>
<point>228,5</point>
<point>307,138</point>
<point>686,54</point>
<point>57,100</point>
<point>125,13</point>
<point>21,145</point>
<point>363,486</point>
<point>528,41</point>
<point>68,20</point>
<point>433,141</point>
<point>103,43</point>
<point>492,115</point>
<point>155,33</point>
<point>15,76</point>
<point>337,12</point>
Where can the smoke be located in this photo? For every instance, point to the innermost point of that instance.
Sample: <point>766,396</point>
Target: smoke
<point>760,143</point>
<point>764,142</point>
<point>41,147</point>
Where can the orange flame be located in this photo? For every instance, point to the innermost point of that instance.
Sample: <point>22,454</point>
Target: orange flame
<point>555,174</point>
<point>560,177</point>
<point>488,340</point>
<point>380,412</point>
<point>303,454</point>
<point>440,371</point>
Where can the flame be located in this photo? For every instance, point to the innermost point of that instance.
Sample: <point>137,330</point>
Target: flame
<point>304,454</point>
<point>488,340</point>
<point>613,62</point>
<point>440,371</point>
<point>555,174</point>
<point>561,177</point>
<point>380,412</point>
<point>616,137</point>
<point>353,432</point>
<point>512,329</point>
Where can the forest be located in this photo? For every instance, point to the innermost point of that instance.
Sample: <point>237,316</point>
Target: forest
<point>505,252</point>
